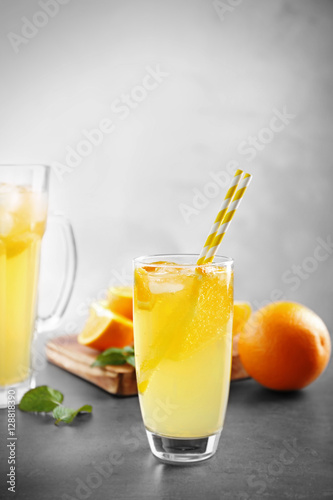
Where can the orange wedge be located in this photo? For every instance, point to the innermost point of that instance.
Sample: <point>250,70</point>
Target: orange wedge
<point>145,299</point>
<point>105,329</point>
<point>242,313</point>
<point>120,301</point>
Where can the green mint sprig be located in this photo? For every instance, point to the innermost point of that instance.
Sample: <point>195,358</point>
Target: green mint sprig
<point>45,399</point>
<point>116,356</point>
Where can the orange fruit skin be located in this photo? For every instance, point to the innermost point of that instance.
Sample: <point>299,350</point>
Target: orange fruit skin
<point>285,346</point>
<point>103,331</point>
<point>114,335</point>
<point>121,303</point>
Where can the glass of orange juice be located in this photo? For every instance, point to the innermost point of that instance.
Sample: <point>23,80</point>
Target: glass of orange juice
<point>23,215</point>
<point>183,317</point>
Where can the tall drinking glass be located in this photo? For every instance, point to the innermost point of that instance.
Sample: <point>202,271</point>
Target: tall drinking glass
<point>23,214</point>
<point>183,317</point>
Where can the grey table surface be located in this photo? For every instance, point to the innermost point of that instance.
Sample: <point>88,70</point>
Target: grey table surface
<point>274,445</point>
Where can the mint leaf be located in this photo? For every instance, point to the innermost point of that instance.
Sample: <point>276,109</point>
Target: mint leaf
<point>41,399</point>
<point>67,415</point>
<point>115,356</point>
<point>45,399</point>
<point>109,359</point>
<point>129,349</point>
<point>114,350</point>
<point>130,360</point>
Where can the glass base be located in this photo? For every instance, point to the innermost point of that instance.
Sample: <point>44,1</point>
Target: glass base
<point>182,450</point>
<point>19,390</point>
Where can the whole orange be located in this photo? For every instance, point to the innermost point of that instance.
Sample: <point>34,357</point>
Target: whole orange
<point>285,346</point>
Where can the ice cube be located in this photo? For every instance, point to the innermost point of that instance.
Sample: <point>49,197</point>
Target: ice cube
<point>6,223</point>
<point>10,197</point>
<point>161,267</point>
<point>157,287</point>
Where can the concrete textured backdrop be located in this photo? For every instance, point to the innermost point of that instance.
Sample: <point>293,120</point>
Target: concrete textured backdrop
<point>247,82</point>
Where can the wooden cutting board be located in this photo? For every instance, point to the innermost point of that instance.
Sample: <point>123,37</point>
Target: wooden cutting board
<point>67,353</point>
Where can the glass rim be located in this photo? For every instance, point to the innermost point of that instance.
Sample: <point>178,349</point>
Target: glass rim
<point>35,176</point>
<point>218,260</point>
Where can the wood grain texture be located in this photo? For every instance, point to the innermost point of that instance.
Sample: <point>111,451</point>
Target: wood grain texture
<point>68,354</point>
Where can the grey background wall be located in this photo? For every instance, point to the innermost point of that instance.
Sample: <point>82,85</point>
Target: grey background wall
<point>222,72</point>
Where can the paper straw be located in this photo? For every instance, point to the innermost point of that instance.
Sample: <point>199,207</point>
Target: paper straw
<point>228,218</point>
<point>220,216</point>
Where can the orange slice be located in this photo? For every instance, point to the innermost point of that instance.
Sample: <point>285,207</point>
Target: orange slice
<point>145,299</point>
<point>105,329</point>
<point>242,313</point>
<point>120,301</point>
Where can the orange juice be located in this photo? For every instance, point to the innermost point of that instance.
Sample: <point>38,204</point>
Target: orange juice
<point>22,225</point>
<point>183,338</point>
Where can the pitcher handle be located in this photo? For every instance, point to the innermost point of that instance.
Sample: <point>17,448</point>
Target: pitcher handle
<point>52,320</point>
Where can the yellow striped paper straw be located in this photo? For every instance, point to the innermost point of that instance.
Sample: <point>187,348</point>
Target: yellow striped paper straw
<point>228,218</point>
<point>220,215</point>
